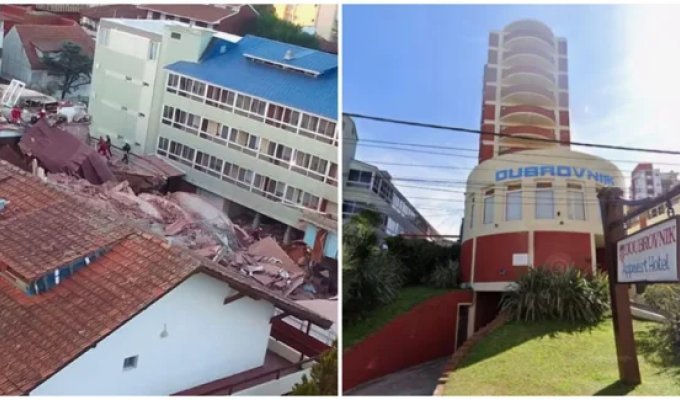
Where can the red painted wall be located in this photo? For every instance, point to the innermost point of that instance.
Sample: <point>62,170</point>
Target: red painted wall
<point>466,261</point>
<point>423,334</point>
<point>562,249</point>
<point>493,259</point>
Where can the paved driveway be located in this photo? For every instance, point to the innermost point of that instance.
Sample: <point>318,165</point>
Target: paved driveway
<point>414,381</point>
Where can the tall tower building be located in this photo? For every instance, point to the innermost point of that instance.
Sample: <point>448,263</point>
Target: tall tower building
<point>528,204</point>
<point>525,89</point>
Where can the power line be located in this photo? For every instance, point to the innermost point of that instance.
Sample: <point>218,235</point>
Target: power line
<point>480,132</point>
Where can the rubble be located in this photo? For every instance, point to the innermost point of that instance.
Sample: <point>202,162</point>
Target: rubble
<point>187,220</point>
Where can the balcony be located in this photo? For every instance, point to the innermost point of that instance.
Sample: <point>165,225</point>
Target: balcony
<point>529,27</point>
<point>527,115</point>
<point>528,94</point>
<point>520,74</point>
<point>528,131</point>
<point>530,36</point>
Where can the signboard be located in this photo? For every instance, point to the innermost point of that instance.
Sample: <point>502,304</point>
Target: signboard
<point>650,255</point>
<point>554,170</point>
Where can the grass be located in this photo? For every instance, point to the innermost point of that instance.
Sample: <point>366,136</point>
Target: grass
<point>555,358</point>
<point>407,298</point>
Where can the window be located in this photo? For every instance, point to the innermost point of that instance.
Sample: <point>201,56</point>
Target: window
<point>168,113</point>
<point>332,177</point>
<point>163,145</point>
<point>282,117</point>
<point>153,50</point>
<point>545,202</point>
<point>488,206</point>
<point>513,203</point>
<point>268,187</point>
<point>181,153</point>
<point>244,141</point>
<point>275,153</point>
<point>130,363</point>
<point>310,165</point>
<point>174,35</point>
<point>300,197</point>
<point>575,202</point>
<point>214,131</point>
<point>359,178</point>
<point>173,83</point>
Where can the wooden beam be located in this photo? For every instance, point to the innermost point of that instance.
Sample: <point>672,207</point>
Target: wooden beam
<point>278,317</point>
<point>233,298</point>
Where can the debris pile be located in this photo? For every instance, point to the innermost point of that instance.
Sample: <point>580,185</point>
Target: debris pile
<point>187,220</point>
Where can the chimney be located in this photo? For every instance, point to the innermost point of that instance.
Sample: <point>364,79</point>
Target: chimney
<point>288,55</point>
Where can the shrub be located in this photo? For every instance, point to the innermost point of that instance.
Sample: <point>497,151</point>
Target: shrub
<point>323,379</point>
<point>420,257</point>
<point>374,282</point>
<point>665,298</point>
<point>546,294</point>
<point>444,276</point>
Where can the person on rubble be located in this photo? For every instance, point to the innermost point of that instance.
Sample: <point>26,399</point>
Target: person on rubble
<point>15,115</point>
<point>108,146</point>
<point>101,147</point>
<point>126,150</point>
<point>42,113</point>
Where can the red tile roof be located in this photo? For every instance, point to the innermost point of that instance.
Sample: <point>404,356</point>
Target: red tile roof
<point>51,37</point>
<point>198,12</point>
<point>43,227</point>
<point>113,11</point>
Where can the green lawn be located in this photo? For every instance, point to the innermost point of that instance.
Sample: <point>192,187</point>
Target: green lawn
<point>552,359</point>
<point>407,298</point>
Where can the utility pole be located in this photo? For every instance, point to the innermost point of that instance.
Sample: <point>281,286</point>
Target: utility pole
<point>611,205</point>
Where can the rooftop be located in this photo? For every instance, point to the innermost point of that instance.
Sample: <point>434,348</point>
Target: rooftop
<point>44,228</point>
<point>147,25</point>
<point>199,12</point>
<point>51,38</point>
<point>113,11</point>
<point>291,75</point>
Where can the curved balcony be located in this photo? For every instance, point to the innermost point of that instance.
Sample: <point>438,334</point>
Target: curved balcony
<point>528,115</point>
<point>529,25</point>
<point>528,59</point>
<point>530,37</point>
<point>528,94</point>
<point>528,51</point>
<point>526,74</point>
<point>528,131</point>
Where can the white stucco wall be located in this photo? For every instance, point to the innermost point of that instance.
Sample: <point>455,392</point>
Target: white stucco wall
<point>206,340</point>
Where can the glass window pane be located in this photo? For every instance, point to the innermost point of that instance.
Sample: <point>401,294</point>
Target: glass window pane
<point>513,206</point>
<point>545,205</point>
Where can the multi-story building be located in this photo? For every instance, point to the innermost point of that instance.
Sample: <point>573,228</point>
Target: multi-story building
<point>525,89</point>
<point>321,19</point>
<point>367,187</point>
<point>647,181</point>
<point>251,121</point>
<point>528,203</point>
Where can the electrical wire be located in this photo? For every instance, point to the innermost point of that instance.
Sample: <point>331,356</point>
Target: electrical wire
<point>497,134</point>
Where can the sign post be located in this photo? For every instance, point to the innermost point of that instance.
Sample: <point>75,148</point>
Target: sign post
<point>612,211</point>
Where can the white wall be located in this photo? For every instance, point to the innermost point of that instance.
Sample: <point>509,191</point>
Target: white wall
<point>206,340</point>
<point>15,64</point>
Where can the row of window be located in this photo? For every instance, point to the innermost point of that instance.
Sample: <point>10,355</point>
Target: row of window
<point>383,188</point>
<point>304,124</point>
<point>544,206</point>
<point>276,153</point>
<point>245,178</point>
<point>351,208</point>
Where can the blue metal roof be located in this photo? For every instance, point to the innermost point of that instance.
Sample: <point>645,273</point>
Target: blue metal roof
<point>226,64</point>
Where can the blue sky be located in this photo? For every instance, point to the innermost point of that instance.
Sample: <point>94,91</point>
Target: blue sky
<point>425,63</point>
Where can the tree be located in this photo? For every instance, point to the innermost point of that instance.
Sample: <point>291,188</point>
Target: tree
<point>268,25</point>
<point>72,65</point>
<point>323,379</point>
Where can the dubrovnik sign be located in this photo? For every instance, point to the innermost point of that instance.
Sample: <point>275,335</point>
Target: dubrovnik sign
<point>554,170</point>
<point>650,255</point>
